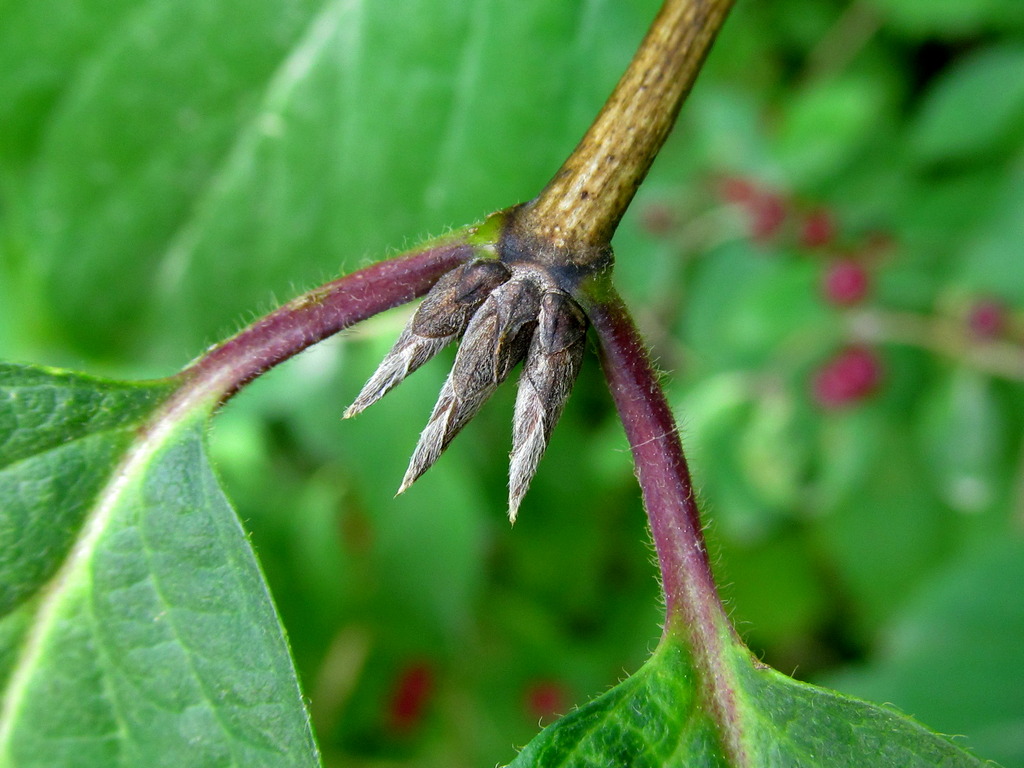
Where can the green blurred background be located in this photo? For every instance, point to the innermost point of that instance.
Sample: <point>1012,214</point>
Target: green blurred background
<point>172,169</point>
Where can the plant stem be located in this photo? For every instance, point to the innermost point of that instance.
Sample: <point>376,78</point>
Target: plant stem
<point>843,41</point>
<point>582,205</point>
<point>573,219</point>
<point>944,336</point>
<point>661,468</point>
<point>569,228</point>
<point>318,314</point>
<point>693,606</point>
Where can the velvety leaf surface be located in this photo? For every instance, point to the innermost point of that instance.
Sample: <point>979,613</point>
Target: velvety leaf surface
<point>153,641</point>
<point>655,719</point>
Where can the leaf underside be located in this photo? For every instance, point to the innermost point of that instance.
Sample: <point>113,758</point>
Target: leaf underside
<point>656,719</point>
<point>137,629</point>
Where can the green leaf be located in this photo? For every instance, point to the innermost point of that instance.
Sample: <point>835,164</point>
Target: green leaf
<point>825,125</point>
<point>657,718</point>
<point>60,436</point>
<point>962,438</point>
<point>774,449</point>
<point>967,622</point>
<point>145,634</point>
<point>893,496</point>
<point>203,156</point>
<point>748,311</point>
<point>992,262</point>
<point>847,446</point>
<point>953,18</point>
<point>774,614</point>
<point>717,409</point>
<point>973,107</point>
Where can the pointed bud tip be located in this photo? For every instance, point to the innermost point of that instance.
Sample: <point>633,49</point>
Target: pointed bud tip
<point>411,476</point>
<point>516,493</point>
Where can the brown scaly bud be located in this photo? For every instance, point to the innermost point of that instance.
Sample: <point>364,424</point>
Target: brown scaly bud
<point>497,338</point>
<point>441,318</point>
<point>552,364</point>
<point>505,314</point>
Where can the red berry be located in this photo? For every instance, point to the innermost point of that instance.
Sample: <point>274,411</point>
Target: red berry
<point>737,190</point>
<point>817,229</point>
<point>545,700</point>
<point>987,319</point>
<point>845,283</point>
<point>767,215</point>
<point>409,699</point>
<point>851,375</point>
<point>766,210</point>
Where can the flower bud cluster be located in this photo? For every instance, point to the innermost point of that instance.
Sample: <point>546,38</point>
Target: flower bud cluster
<point>504,315</point>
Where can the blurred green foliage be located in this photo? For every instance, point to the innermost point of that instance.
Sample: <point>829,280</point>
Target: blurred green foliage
<point>167,169</point>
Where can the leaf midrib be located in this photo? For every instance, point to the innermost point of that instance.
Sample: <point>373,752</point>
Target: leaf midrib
<point>160,427</point>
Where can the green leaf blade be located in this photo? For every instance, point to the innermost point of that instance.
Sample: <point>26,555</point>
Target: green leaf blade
<point>974,108</point>
<point>155,643</point>
<point>61,435</point>
<point>192,180</point>
<point>793,723</point>
<point>44,408</point>
<point>657,718</point>
<point>970,612</point>
<point>651,719</point>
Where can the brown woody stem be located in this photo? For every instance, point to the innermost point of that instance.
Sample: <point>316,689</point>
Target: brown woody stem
<point>581,206</point>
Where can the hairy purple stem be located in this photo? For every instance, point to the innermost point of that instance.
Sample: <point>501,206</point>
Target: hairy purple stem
<point>315,315</point>
<point>693,606</point>
<point>660,466</point>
